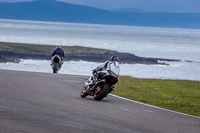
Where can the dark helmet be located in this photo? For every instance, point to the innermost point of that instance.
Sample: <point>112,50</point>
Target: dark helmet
<point>114,58</point>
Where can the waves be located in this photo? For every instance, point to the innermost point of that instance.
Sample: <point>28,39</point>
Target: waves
<point>181,44</point>
<point>175,70</point>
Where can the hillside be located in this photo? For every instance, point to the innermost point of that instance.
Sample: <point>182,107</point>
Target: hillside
<point>13,52</point>
<point>51,11</point>
<point>43,10</point>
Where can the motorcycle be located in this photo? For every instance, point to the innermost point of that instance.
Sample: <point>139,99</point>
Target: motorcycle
<point>102,86</point>
<point>56,64</point>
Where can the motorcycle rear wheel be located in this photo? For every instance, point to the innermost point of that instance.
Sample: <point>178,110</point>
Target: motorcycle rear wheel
<point>100,94</point>
<point>55,67</point>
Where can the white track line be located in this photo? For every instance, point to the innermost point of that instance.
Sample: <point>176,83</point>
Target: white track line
<point>153,106</point>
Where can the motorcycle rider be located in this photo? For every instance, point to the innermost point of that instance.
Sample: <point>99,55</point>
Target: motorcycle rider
<point>98,72</point>
<point>104,66</point>
<point>58,51</point>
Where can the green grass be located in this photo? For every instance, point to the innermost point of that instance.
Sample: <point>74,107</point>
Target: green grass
<point>177,95</point>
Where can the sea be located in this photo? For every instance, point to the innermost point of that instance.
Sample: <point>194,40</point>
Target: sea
<point>167,43</point>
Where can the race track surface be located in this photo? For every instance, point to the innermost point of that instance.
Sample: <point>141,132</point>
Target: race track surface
<point>51,103</point>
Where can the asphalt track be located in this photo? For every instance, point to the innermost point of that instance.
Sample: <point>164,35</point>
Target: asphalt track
<point>51,103</point>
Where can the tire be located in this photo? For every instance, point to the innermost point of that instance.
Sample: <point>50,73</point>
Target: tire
<point>55,67</point>
<point>99,95</point>
<point>84,92</point>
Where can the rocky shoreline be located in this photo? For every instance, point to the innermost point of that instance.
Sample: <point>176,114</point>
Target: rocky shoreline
<point>13,52</point>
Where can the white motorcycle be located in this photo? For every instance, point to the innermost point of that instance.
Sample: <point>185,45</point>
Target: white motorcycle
<point>100,87</point>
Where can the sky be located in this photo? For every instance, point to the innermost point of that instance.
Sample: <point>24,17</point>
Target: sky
<point>147,5</point>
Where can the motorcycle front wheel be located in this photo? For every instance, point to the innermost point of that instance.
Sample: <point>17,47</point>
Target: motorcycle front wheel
<point>84,92</point>
<point>101,92</point>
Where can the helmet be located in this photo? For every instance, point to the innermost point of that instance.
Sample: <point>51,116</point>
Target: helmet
<point>58,46</point>
<point>114,58</point>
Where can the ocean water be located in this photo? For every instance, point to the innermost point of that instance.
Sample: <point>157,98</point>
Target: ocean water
<point>173,43</point>
<point>183,44</point>
<point>176,70</point>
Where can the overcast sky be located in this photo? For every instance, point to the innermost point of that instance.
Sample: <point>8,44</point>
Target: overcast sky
<point>148,5</point>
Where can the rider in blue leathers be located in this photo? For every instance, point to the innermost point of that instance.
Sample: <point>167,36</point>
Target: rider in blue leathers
<point>58,51</point>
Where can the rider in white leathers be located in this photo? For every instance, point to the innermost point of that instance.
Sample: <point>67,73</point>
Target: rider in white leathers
<point>111,66</point>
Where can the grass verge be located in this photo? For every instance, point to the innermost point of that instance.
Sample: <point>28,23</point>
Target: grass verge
<point>176,95</point>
